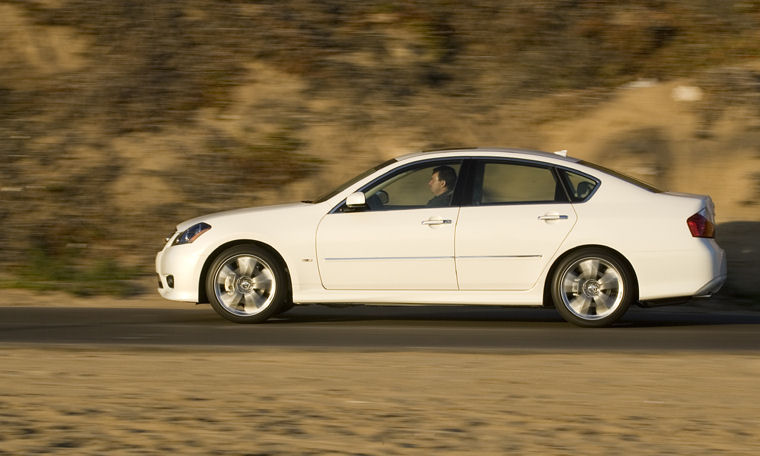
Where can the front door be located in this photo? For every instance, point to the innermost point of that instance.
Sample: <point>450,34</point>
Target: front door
<point>402,240</point>
<point>388,250</point>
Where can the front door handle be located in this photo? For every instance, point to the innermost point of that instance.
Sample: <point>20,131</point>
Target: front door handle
<point>547,217</point>
<point>431,222</point>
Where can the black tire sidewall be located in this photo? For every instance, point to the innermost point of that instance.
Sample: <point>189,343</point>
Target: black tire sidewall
<point>629,287</point>
<point>278,271</point>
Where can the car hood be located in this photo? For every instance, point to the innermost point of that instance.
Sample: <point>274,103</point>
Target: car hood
<point>242,213</point>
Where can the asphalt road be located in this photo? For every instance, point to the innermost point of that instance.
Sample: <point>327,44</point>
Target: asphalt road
<point>385,328</point>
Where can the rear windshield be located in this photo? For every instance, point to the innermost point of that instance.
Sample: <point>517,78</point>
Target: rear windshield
<point>629,179</point>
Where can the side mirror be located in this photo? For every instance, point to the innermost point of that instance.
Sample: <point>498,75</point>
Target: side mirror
<point>356,200</point>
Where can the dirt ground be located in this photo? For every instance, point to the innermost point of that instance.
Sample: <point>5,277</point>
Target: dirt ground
<point>88,400</point>
<point>94,401</point>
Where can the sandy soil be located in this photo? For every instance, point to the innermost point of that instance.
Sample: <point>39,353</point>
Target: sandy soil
<point>92,401</point>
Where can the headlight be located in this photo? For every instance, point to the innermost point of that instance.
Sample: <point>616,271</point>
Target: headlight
<point>191,234</point>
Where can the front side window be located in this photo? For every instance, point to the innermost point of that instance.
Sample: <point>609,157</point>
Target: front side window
<point>514,183</point>
<point>431,184</point>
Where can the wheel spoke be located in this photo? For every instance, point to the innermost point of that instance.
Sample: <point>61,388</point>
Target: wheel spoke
<point>246,265</point>
<point>590,268</point>
<point>603,303</point>
<point>581,304</point>
<point>225,274</point>
<point>570,284</point>
<point>231,300</point>
<point>263,281</point>
<point>253,301</point>
<point>609,280</point>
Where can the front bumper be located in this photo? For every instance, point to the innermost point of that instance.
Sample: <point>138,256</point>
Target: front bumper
<point>178,273</point>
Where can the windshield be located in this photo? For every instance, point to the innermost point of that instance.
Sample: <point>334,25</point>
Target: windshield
<point>351,181</point>
<point>629,179</point>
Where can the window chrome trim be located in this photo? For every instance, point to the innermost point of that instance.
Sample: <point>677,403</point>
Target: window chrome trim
<point>555,168</point>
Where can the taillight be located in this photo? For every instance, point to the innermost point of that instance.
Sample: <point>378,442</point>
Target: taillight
<point>700,225</point>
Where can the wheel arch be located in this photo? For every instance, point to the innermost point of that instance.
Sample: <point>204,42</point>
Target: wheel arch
<point>547,300</point>
<point>203,298</point>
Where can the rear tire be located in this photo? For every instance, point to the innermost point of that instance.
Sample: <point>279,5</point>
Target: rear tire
<point>247,284</point>
<point>592,288</point>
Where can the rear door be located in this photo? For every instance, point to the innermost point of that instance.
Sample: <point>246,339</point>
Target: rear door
<point>519,216</point>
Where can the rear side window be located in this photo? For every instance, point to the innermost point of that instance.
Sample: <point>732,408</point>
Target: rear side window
<point>515,183</point>
<point>581,187</point>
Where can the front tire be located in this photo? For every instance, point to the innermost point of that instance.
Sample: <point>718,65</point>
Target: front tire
<point>246,284</point>
<point>592,288</point>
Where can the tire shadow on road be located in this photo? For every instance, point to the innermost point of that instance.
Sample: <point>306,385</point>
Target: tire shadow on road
<point>499,316</point>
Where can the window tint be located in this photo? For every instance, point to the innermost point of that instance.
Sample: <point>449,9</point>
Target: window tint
<point>504,183</point>
<point>581,187</point>
<point>427,185</point>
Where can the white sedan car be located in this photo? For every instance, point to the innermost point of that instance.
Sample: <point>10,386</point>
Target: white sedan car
<point>471,226</point>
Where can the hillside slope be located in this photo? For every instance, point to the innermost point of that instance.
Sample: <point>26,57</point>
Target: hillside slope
<point>120,119</point>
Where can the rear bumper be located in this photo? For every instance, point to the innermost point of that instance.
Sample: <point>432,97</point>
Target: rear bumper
<point>697,271</point>
<point>711,287</point>
<point>720,266</point>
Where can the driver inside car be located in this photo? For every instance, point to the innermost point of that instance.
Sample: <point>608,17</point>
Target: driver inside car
<point>442,183</point>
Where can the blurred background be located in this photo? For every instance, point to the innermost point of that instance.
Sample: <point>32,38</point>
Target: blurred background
<point>120,119</point>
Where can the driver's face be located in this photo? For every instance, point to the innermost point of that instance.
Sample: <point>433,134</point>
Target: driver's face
<point>436,185</point>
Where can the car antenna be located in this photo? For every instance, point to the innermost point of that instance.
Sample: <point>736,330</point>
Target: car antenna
<point>562,153</point>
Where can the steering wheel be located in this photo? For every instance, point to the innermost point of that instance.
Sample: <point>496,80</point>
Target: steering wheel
<point>378,200</point>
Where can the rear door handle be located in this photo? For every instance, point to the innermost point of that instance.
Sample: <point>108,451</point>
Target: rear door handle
<point>431,222</point>
<point>552,217</point>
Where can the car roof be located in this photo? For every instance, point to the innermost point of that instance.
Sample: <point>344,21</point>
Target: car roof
<point>491,151</point>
